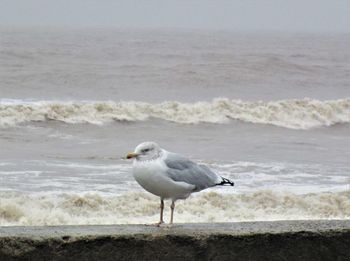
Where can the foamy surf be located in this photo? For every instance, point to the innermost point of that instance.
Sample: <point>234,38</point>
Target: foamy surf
<point>136,207</point>
<point>294,114</point>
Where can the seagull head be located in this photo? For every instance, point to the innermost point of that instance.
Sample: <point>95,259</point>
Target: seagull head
<point>145,151</point>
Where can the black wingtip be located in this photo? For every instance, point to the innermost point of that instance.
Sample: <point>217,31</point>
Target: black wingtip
<point>226,181</point>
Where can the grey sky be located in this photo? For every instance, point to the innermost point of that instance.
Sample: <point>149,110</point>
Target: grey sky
<point>242,15</point>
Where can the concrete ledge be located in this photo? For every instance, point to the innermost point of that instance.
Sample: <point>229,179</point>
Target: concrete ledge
<point>280,240</point>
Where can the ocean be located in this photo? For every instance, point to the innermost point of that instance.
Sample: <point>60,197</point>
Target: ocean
<point>271,111</point>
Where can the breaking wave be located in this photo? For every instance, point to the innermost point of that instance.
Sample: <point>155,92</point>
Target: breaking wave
<point>136,207</point>
<point>294,114</point>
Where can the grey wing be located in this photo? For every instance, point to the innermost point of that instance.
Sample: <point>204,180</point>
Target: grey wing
<point>185,170</point>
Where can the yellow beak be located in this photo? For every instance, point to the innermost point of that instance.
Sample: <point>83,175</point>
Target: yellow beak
<point>131,155</point>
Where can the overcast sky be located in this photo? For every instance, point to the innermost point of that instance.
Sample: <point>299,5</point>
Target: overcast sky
<point>238,15</point>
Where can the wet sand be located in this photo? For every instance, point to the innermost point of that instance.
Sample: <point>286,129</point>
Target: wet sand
<point>278,240</point>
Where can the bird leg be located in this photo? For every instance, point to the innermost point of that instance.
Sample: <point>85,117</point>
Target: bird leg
<point>161,221</point>
<point>172,207</point>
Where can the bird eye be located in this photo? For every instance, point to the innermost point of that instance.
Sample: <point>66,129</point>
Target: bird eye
<point>145,150</point>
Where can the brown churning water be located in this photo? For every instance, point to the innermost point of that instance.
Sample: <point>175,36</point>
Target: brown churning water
<point>269,111</point>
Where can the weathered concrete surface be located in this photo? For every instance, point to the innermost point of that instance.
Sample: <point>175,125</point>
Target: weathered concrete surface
<point>281,240</point>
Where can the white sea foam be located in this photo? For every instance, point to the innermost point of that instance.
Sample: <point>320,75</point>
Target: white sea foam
<point>137,207</point>
<point>294,114</point>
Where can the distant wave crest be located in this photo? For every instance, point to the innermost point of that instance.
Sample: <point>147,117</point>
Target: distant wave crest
<point>136,207</point>
<point>294,114</point>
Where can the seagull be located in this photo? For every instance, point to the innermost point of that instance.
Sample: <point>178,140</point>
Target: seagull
<point>170,175</point>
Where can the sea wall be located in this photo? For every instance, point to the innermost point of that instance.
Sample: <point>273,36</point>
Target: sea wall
<point>279,240</point>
